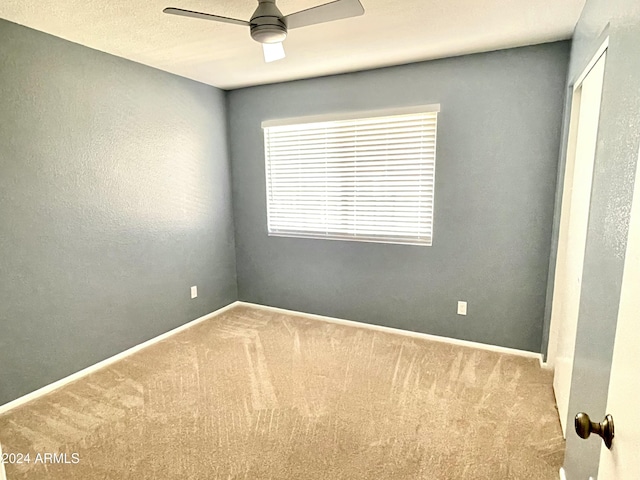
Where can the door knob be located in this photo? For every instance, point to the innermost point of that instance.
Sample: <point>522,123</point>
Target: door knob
<point>585,427</point>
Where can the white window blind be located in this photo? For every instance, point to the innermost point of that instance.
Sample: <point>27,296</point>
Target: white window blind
<point>368,179</point>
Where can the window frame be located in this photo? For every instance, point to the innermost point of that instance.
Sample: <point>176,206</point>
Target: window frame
<point>338,117</point>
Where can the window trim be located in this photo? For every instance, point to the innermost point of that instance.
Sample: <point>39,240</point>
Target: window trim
<point>338,117</point>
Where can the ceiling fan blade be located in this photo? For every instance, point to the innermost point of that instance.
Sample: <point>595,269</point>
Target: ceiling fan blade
<point>206,16</point>
<point>328,12</point>
<point>273,51</point>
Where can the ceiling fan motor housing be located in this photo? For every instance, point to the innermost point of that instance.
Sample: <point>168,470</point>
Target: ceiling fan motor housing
<point>267,25</point>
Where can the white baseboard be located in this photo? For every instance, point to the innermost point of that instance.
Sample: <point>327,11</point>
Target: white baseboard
<point>104,363</point>
<point>545,365</point>
<point>397,331</point>
<point>563,475</point>
<point>86,371</point>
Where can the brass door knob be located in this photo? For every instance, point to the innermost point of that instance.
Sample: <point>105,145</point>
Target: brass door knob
<point>585,427</point>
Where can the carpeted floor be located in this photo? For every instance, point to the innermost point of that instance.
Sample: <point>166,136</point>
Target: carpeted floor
<point>253,394</point>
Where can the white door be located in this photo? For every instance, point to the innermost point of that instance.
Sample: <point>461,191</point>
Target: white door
<point>3,474</point>
<point>583,129</point>
<point>622,462</point>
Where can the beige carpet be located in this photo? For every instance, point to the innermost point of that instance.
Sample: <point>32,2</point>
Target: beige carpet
<point>252,394</point>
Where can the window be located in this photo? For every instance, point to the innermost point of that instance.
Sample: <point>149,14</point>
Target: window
<point>366,177</point>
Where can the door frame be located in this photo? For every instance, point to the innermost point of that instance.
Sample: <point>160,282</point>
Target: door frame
<point>3,473</point>
<point>557,318</point>
<point>594,59</point>
<point>570,146</point>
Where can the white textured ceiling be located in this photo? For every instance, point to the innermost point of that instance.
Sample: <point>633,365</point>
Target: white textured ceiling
<point>391,32</point>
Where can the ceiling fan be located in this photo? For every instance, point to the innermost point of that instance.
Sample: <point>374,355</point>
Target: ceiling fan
<point>269,27</point>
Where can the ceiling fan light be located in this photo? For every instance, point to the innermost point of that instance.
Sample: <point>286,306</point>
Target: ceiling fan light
<point>273,52</point>
<point>267,25</point>
<point>268,33</point>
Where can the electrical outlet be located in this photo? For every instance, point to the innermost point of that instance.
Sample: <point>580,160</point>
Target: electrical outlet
<point>194,292</point>
<point>462,308</point>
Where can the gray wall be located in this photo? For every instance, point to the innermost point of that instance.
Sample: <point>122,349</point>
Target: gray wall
<point>612,192</point>
<point>114,200</point>
<point>498,143</point>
